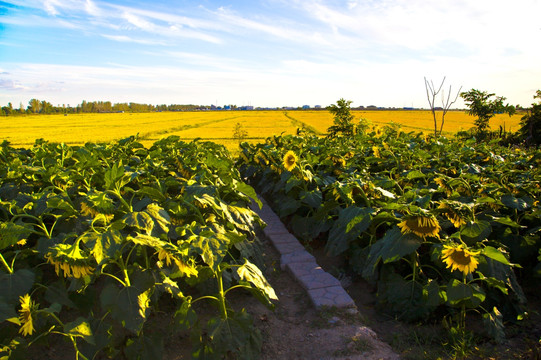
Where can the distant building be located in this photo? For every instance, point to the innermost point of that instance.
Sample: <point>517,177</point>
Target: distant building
<point>317,107</point>
<point>306,107</point>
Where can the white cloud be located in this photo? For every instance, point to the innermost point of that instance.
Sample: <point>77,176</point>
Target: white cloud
<point>127,39</point>
<point>92,9</point>
<point>49,6</point>
<point>371,51</point>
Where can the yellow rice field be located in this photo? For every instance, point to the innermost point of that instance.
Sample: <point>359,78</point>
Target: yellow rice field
<point>217,126</point>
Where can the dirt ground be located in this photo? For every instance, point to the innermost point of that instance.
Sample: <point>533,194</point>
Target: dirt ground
<point>296,330</point>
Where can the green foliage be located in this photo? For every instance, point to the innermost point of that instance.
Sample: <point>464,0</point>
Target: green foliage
<point>480,106</point>
<point>358,195</point>
<point>343,118</point>
<point>97,237</point>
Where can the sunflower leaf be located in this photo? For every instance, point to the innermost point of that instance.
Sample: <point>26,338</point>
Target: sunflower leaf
<point>495,254</point>
<point>392,247</point>
<point>351,222</point>
<point>80,328</point>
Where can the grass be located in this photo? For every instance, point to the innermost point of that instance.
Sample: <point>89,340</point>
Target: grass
<point>217,126</point>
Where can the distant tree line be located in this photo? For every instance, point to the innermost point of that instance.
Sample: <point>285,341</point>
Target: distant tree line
<point>36,106</point>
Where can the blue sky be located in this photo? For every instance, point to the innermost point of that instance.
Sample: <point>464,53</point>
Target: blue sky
<point>266,52</point>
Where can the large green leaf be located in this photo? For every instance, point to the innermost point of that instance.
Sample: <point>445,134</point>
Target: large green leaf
<point>97,202</point>
<point>128,305</point>
<point>392,247</point>
<point>116,177</point>
<point>415,174</point>
<point>459,293</point>
<point>476,231</point>
<point>147,240</point>
<point>236,334</point>
<point>251,273</point>
<point>351,223</point>
<point>312,198</point>
<point>145,347</point>
<point>403,298</point>
<point>287,206</point>
<point>140,220</point>
<point>57,293</point>
<point>80,328</point>
<point>506,221</point>
<point>103,246</point>
<point>495,254</point>
<point>249,191</point>
<point>58,202</point>
<point>11,233</point>
<point>185,317</point>
<point>161,218</point>
<point>241,217</point>
<point>16,284</point>
<point>152,193</point>
<point>515,203</point>
<point>7,311</point>
<point>211,246</point>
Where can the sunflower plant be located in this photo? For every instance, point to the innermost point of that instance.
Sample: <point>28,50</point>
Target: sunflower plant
<point>95,238</point>
<point>413,216</point>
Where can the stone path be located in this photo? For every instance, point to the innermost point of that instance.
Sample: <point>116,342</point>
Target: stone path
<point>322,288</point>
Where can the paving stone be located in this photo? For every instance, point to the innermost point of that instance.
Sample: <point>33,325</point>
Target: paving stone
<point>271,229</point>
<point>331,296</point>
<point>283,238</point>
<point>312,276</point>
<point>288,247</point>
<point>296,257</point>
<point>323,289</point>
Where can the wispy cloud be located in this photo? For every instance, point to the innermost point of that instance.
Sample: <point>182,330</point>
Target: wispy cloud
<point>127,39</point>
<point>372,51</point>
<point>9,85</point>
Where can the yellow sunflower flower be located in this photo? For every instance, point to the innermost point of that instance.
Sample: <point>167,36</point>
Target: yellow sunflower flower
<point>375,149</point>
<point>441,183</point>
<point>69,260</point>
<point>459,257</point>
<point>162,254</point>
<point>290,160</point>
<point>422,226</point>
<point>25,318</point>
<point>453,217</point>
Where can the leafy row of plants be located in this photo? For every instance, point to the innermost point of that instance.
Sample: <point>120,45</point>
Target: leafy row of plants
<point>442,226</point>
<point>98,240</point>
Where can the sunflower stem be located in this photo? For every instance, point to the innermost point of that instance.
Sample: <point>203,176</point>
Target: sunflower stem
<point>9,269</point>
<point>221,294</point>
<point>415,269</point>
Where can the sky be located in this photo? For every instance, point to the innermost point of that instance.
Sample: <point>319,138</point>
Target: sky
<point>267,53</point>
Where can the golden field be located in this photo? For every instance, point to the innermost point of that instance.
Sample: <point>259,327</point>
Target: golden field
<point>217,126</point>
